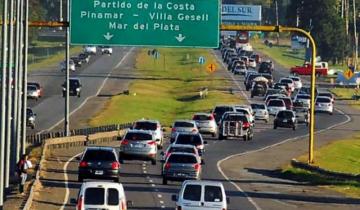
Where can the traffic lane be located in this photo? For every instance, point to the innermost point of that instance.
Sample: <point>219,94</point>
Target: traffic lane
<point>51,110</point>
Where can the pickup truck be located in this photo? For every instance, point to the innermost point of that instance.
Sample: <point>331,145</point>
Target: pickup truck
<point>321,69</point>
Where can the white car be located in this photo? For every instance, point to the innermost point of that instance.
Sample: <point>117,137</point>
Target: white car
<point>246,111</point>
<point>101,195</point>
<point>106,50</point>
<point>297,81</point>
<point>71,65</point>
<point>324,104</point>
<point>261,111</point>
<point>275,105</point>
<point>154,127</point>
<point>33,92</point>
<point>201,195</point>
<point>206,123</point>
<point>183,126</point>
<point>239,69</point>
<point>305,98</point>
<point>90,49</point>
<point>252,63</point>
<point>289,82</point>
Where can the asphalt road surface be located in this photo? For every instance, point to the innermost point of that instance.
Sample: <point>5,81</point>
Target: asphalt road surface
<point>142,181</point>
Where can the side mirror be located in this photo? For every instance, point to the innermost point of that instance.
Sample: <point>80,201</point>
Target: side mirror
<point>129,203</point>
<point>227,200</point>
<point>118,138</point>
<point>174,198</point>
<point>202,162</point>
<point>205,142</point>
<point>73,201</point>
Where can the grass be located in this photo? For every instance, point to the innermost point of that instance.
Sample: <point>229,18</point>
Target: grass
<point>346,93</point>
<point>340,156</point>
<point>170,91</point>
<point>281,54</point>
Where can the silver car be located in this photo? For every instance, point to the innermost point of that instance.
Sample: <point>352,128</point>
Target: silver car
<point>152,126</point>
<point>138,145</point>
<point>324,104</point>
<point>206,123</point>
<point>183,126</point>
<point>261,112</point>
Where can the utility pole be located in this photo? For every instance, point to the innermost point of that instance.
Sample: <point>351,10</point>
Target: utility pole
<point>346,5</point>
<point>67,55</point>
<point>356,39</point>
<point>277,23</point>
<point>3,92</point>
<point>342,8</point>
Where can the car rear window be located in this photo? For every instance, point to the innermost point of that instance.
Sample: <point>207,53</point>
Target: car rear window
<point>267,76</point>
<point>242,111</point>
<point>323,100</point>
<point>145,126</point>
<point>188,139</point>
<point>258,106</point>
<point>138,136</point>
<point>303,97</point>
<point>99,155</point>
<point>94,196</point>
<point>287,101</point>
<point>213,194</point>
<point>201,117</point>
<point>285,114</point>
<point>113,197</point>
<point>296,79</point>
<point>178,158</point>
<point>326,95</point>
<point>31,87</point>
<point>286,81</point>
<point>181,149</point>
<point>184,124</point>
<point>192,192</point>
<point>278,103</point>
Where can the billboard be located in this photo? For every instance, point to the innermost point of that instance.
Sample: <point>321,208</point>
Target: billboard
<point>241,13</point>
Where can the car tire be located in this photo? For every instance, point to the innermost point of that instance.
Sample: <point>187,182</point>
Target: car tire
<point>79,95</point>
<point>246,137</point>
<point>275,127</point>
<point>330,113</point>
<point>153,162</point>
<point>164,181</point>
<point>294,128</point>
<point>213,134</point>
<point>80,179</point>
<point>32,127</point>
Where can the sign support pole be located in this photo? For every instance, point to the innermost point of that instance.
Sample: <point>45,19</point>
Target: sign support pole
<point>67,55</point>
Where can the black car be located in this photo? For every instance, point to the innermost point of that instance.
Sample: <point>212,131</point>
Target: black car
<point>266,67</point>
<point>77,61</point>
<point>220,110</point>
<point>99,163</point>
<point>84,57</point>
<point>74,87</point>
<point>249,81</point>
<point>285,119</point>
<point>30,118</point>
<point>258,88</point>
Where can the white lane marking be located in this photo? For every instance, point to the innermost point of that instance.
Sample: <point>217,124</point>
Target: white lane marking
<point>163,207</point>
<point>145,172</point>
<point>67,191</point>
<point>153,185</point>
<point>348,119</point>
<point>89,97</point>
<point>151,181</point>
<point>159,196</point>
<point>162,202</point>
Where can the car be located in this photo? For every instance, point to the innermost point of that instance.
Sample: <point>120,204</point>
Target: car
<point>77,61</point>
<point>187,148</point>
<point>327,94</point>
<point>138,145</point>
<point>154,127</point>
<point>101,195</point>
<point>38,86</point>
<point>99,163</point>
<point>273,96</point>
<point>302,112</point>
<point>305,98</point>
<point>74,87</point>
<point>307,90</point>
<point>275,105</point>
<point>235,124</point>
<point>297,81</point>
<point>206,123</point>
<point>90,49</point>
<point>258,88</point>
<point>289,82</point>
<point>201,195</point>
<point>288,102</point>
<point>239,69</point>
<point>72,66</point>
<point>261,112</point>
<point>30,118</point>
<point>249,80</point>
<point>183,126</point>
<point>219,110</point>
<point>324,104</point>
<point>84,57</point>
<point>245,59</point>
<point>180,166</point>
<point>285,119</point>
<point>234,61</point>
<point>33,92</point>
<point>191,139</point>
<point>252,63</point>
<point>106,50</point>
<point>256,57</point>
<point>272,91</point>
<point>266,67</point>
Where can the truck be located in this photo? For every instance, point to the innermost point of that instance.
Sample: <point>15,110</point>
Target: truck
<point>321,69</point>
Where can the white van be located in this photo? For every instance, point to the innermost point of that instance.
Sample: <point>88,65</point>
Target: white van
<point>201,195</point>
<point>101,195</point>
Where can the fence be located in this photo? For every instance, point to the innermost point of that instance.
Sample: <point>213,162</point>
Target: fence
<point>39,138</point>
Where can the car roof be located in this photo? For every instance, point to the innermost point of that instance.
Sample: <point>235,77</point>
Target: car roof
<point>101,184</point>
<point>183,153</point>
<point>151,121</point>
<point>190,121</point>
<point>100,148</point>
<point>202,182</point>
<point>182,145</point>
<point>139,131</point>
<point>203,113</point>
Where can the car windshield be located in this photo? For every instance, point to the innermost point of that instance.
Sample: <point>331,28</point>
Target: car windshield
<point>303,97</point>
<point>184,124</point>
<point>94,196</point>
<point>325,94</point>
<point>133,136</point>
<point>323,100</point>
<point>179,158</point>
<point>258,106</point>
<point>286,81</point>
<point>31,88</point>
<point>181,149</point>
<point>277,103</point>
<point>145,126</point>
<point>213,194</point>
<point>188,139</point>
<point>74,83</point>
<point>99,155</point>
<point>202,117</point>
<point>192,192</point>
<point>285,114</point>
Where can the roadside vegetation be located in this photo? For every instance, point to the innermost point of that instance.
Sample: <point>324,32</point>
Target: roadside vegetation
<point>341,156</point>
<point>168,89</point>
<point>346,94</point>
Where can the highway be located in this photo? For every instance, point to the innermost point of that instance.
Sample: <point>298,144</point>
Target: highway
<point>142,181</point>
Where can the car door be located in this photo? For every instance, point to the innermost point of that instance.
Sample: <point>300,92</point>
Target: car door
<point>213,197</point>
<point>191,197</point>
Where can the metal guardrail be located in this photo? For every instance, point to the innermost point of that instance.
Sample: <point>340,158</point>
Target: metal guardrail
<point>39,138</point>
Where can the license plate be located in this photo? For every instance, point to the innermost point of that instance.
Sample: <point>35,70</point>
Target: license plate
<point>137,145</point>
<point>99,172</point>
<point>284,121</point>
<point>181,174</point>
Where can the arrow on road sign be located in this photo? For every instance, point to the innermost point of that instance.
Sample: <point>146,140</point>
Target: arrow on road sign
<point>211,67</point>
<point>180,37</point>
<point>348,74</point>
<point>201,60</point>
<point>108,36</point>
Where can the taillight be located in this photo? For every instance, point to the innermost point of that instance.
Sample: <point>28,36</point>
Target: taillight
<point>200,146</point>
<point>173,130</point>
<point>197,166</point>
<point>115,165</point>
<point>123,205</point>
<point>212,117</point>
<point>152,143</point>
<point>194,130</point>
<point>246,125</point>
<point>167,166</point>
<point>124,142</point>
<point>83,164</point>
<point>79,203</point>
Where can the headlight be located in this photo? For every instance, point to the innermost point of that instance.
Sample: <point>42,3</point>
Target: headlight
<point>64,89</point>
<point>77,89</point>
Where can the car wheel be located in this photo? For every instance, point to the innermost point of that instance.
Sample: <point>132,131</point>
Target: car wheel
<point>33,127</point>
<point>213,134</point>
<point>164,181</point>
<point>294,128</point>
<point>330,113</point>
<point>275,126</point>
<point>153,162</point>
<point>80,179</point>
<point>246,137</point>
<point>221,137</point>
<point>79,95</point>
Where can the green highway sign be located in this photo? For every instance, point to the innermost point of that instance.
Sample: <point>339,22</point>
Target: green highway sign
<point>168,23</point>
